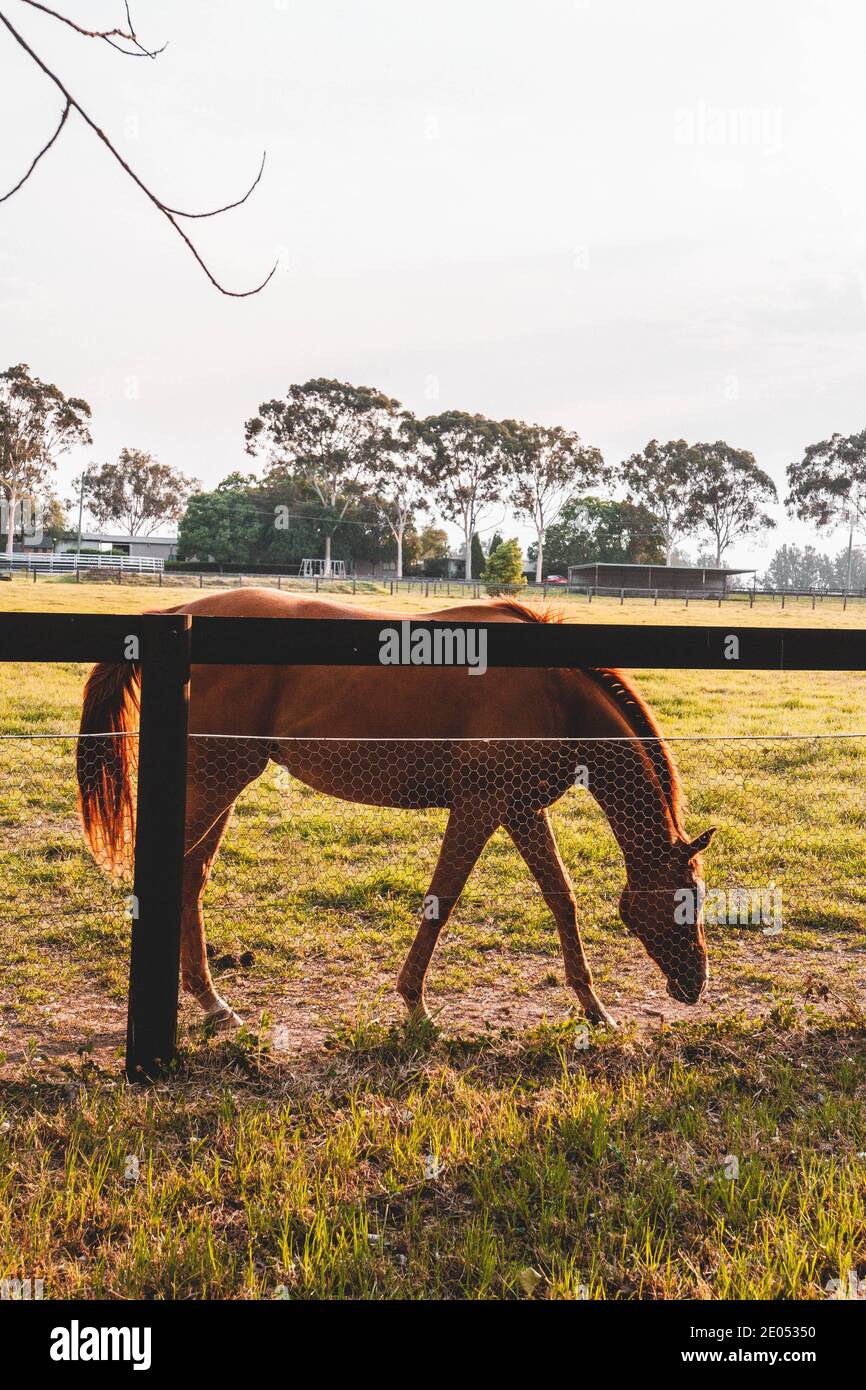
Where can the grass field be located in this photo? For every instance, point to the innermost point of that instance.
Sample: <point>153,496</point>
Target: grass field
<point>328,1151</point>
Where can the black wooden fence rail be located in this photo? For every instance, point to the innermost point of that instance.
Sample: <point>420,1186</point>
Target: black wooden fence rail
<point>168,645</point>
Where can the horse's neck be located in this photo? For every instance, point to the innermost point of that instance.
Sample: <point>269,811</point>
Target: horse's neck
<point>623,781</point>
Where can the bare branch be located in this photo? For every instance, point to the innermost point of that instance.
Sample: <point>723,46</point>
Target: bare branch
<point>157,202</point>
<point>44,150</point>
<point>108,35</point>
<point>87,33</point>
<point>142,51</point>
<point>228,207</point>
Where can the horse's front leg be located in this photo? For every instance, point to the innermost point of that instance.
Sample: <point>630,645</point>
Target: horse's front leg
<point>466,834</point>
<point>533,836</point>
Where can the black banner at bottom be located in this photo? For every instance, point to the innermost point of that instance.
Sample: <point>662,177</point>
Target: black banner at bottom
<point>59,1340</point>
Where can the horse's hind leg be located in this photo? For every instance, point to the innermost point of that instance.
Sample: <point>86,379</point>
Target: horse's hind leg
<point>195,971</point>
<point>465,836</point>
<point>217,772</point>
<point>533,836</point>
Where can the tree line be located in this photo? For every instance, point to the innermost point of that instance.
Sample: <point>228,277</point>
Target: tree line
<point>348,468</point>
<point>804,568</point>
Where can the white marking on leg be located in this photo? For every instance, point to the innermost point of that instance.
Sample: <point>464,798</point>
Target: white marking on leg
<point>216,1009</point>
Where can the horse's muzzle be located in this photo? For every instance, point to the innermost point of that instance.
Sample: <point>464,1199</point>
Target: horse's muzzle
<point>687,994</point>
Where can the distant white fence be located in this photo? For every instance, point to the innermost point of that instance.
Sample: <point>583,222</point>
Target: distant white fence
<point>67,562</point>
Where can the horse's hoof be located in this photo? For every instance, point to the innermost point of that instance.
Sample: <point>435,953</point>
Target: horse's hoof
<point>418,1013</point>
<point>598,1015</point>
<point>420,1027</point>
<point>219,1015</point>
<point>223,1019</point>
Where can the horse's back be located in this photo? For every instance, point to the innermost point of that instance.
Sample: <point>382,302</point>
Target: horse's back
<point>274,603</point>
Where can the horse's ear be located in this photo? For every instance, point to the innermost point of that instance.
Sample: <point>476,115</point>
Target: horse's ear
<point>698,845</point>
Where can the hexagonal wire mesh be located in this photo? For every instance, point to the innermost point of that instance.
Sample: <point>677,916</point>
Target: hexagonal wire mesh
<point>64,925</point>
<point>590,833</point>
<point>595,829</point>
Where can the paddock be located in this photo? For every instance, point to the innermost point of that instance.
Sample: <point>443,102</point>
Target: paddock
<point>310,911</point>
<point>768,918</point>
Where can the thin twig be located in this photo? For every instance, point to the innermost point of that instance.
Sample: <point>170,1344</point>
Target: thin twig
<point>142,51</point>
<point>228,207</point>
<point>166,212</point>
<point>87,33</point>
<point>108,35</point>
<point>44,150</point>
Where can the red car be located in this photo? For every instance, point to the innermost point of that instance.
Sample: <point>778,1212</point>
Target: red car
<point>555,579</point>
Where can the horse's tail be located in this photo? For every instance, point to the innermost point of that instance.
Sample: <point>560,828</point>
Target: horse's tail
<point>105,758</point>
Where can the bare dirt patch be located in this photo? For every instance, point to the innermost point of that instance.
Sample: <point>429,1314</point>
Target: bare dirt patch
<point>320,996</point>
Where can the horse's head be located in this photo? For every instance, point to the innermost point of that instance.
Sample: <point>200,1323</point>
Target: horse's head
<point>667,915</point>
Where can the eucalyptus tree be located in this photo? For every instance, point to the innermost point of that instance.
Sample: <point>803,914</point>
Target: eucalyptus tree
<point>660,480</point>
<point>548,466</point>
<point>137,493</point>
<point>465,464</point>
<point>332,436</point>
<point>730,494</point>
<point>827,486</point>
<point>396,480</point>
<point>38,423</point>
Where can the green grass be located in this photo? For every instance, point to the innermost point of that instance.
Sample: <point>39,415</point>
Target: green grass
<point>270,1164</point>
<point>398,1166</point>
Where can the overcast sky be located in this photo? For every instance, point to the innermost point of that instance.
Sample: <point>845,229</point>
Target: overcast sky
<point>635,220</point>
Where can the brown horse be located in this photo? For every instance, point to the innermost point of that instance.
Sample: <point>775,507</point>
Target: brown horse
<point>494,751</point>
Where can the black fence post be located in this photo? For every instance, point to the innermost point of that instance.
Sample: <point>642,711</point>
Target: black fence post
<point>159,844</point>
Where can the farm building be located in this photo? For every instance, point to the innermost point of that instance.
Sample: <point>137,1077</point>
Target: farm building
<point>693,581</point>
<point>143,547</point>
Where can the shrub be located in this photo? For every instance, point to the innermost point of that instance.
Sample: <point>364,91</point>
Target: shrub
<point>503,573</point>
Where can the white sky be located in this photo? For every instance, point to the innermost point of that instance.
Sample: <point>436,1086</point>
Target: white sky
<point>633,219</point>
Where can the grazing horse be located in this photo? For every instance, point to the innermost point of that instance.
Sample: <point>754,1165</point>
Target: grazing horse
<point>493,751</point>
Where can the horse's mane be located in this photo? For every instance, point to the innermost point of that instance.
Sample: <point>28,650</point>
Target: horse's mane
<point>529,615</point>
<point>642,721</point>
<point>632,704</point>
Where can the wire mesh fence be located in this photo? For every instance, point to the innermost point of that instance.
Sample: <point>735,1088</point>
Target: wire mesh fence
<point>64,925</point>
<point>323,858</point>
